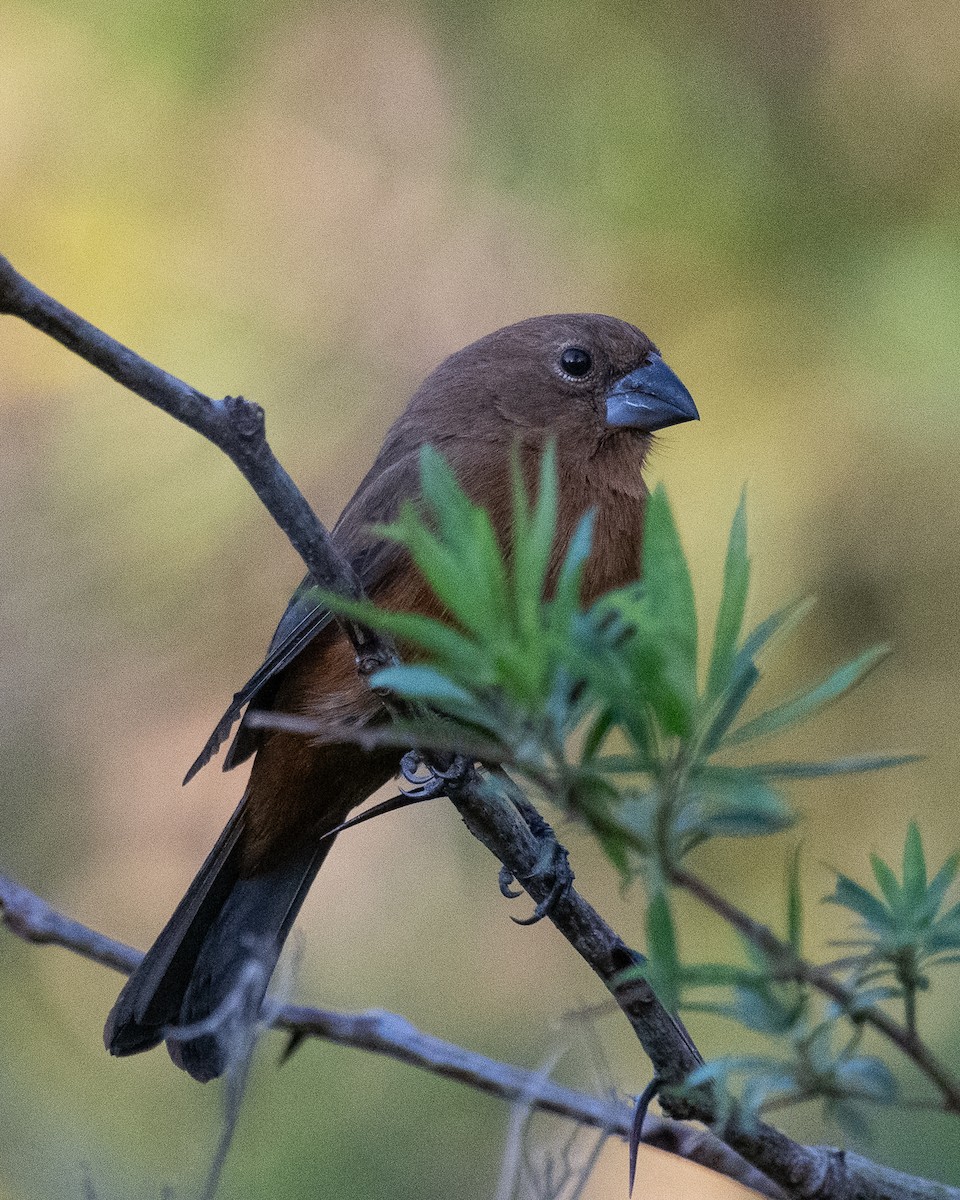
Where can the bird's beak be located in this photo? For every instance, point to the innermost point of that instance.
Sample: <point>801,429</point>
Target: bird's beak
<point>649,398</point>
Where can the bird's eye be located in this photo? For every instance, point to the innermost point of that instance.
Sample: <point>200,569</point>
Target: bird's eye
<point>575,361</point>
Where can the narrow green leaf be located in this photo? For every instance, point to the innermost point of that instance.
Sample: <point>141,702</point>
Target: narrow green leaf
<point>450,647</point>
<point>719,1070</point>
<point>615,847</point>
<point>849,894</point>
<point>914,868</point>
<point>595,737</point>
<point>794,904</point>
<point>424,683</point>
<point>888,882</point>
<point>567,594</point>
<point>533,536</point>
<point>870,1078</point>
<point>733,601</point>
<point>804,705</point>
<point>719,975</point>
<point>780,623</point>
<point>667,580</point>
<point>725,803</point>
<point>744,674</point>
<point>744,680</point>
<point>939,886</point>
<point>662,950</point>
<point>838,766</point>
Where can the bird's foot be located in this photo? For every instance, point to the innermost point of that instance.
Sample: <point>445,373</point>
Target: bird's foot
<point>551,869</point>
<point>431,779</point>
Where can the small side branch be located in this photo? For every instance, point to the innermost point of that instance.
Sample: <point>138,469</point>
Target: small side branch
<point>790,966</point>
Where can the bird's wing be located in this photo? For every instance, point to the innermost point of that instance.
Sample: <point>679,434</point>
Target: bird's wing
<point>374,560</point>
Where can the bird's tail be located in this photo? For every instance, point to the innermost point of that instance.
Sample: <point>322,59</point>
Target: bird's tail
<point>212,962</point>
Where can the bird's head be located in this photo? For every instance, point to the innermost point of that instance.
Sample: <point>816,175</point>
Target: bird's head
<point>577,377</point>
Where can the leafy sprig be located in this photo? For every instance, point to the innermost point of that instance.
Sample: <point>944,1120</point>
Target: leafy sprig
<point>605,709</point>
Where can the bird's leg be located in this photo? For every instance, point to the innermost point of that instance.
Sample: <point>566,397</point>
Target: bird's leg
<point>424,787</point>
<point>552,866</point>
<point>436,777</point>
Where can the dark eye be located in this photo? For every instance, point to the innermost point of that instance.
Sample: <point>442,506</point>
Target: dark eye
<point>575,361</point>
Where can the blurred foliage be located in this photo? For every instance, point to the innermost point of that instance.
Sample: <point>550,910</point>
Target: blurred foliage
<point>312,204</point>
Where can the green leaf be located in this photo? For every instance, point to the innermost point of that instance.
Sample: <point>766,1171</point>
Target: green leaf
<point>914,869</point>
<point>733,803</point>
<point>719,975</point>
<point>804,705</point>
<point>869,1078</point>
<point>939,886</point>
<point>447,645</point>
<point>887,881</point>
<point>426,684</point>
<point>532,542</point>
<point>745,679</point>
<point>744,675</point>
<point>662,619</point>
<point>567,594</point>
<point>615,847</point>
<point>794,904</point>
<point>594,739</point>
<point>838,766</point>
<point>857,899</point>
<point>780,623</point>
<point>667,578</point>
<point>662,949</point>
<point>733,601</point>
<point>464,565</point>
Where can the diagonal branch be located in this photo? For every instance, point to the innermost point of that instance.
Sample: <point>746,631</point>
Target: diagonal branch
<point>790,966</point>
<point>33,920</point>
<point>236,426</point>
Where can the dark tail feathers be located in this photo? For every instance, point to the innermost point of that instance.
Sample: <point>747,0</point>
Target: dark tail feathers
<point>197,971</point>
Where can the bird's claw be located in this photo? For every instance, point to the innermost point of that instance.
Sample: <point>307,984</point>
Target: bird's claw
<point>506,878</point>
<point>555,865</point>
<point>436,780</point>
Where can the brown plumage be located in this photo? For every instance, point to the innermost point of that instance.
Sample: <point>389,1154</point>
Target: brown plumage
<point>593,385</point>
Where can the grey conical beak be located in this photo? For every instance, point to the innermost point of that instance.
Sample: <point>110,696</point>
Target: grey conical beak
<point>651,397</point>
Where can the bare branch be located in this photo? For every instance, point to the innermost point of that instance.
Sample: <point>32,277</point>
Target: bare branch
<point>33,920</point>
<point>236,426</point>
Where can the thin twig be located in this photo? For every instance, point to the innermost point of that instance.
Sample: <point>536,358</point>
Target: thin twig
<point>789,965</point>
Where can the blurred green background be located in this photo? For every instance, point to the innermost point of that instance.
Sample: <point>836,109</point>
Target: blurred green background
<point>312,204</point>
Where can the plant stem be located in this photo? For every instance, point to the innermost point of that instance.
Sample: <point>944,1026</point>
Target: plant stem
<point>789,965</point>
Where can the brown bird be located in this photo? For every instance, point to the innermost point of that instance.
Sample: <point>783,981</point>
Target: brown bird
<point>595,386</point>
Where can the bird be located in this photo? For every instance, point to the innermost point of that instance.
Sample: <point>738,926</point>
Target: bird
<point>594,387</point>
